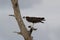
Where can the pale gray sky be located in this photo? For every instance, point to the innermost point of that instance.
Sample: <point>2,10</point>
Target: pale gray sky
<point>50,9</point>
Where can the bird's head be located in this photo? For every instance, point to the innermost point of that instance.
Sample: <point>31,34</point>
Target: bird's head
<point>25,16</point>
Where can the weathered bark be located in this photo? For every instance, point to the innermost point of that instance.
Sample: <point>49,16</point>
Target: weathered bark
<point>24,32</point>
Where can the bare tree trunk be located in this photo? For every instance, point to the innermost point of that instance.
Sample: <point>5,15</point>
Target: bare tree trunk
<point>24,32</point>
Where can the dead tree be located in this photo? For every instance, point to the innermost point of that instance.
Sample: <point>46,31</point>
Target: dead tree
<point>23,31</point>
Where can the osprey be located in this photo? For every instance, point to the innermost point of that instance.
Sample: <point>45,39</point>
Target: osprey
<point>35,19</point>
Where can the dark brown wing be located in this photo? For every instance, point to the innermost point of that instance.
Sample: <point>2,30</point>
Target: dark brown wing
<point>34,19</point>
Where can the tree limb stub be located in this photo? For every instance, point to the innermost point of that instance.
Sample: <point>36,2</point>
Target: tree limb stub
<point>19,20</point>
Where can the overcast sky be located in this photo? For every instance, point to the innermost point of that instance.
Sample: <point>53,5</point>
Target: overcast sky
<point>50,9</point>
